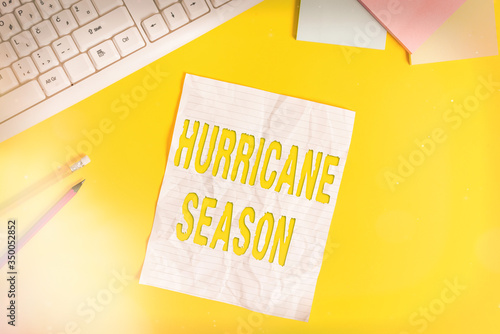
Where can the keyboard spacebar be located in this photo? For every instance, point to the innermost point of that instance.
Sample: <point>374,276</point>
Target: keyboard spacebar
<point>20,99</point>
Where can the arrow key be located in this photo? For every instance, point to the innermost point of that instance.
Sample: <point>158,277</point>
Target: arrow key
<point>155,27</point>
<point>175,16</point>
<point>195,8</point>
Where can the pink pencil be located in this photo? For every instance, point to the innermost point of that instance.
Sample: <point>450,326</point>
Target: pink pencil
<point>41,223</point>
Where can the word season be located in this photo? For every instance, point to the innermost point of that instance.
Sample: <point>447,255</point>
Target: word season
<point>245,149</point>
<point>223,230</point>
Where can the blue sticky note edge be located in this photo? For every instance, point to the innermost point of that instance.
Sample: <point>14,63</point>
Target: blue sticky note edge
<point>339,22</point>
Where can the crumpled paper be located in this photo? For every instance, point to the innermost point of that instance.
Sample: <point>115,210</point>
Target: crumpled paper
<point>252,236</point>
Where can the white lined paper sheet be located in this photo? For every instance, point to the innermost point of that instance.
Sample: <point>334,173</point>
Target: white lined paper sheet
<point>277,286</point>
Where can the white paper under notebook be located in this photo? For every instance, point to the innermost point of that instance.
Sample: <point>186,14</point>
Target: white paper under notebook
<point>340,22</point>
<point>247,199</point>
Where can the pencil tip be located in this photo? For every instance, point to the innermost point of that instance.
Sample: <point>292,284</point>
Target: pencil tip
<point>78,186</point>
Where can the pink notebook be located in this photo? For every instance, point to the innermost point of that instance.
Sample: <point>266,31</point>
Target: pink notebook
<point>469,33</point>
<point>411,22</point>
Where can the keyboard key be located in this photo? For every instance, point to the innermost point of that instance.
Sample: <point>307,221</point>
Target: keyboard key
<point>104,54</point>
<point>44,33</point>
<point>104,6</point>
<point>218,3</point>
<point>20,99</point>
<point>24,43</point>
<point>155,27</point>
<point>28,15</point>
<point>128,41</point>
<point>175,16</point>
<point>7,54</point>
<point>45,59</point>
<point>54,81</point>
<point>44,66</point>
<point>8,80</point>
<point>65,48</point>
<point>67,3</point>
<point>64,22</point>
<point>79,67</point>
<point>164,3</point>
<point>103,28</point>
<point>47,8</point>
<point>195,8</point>
<point>8,26</point>
<point>25,69</point>
<point>84,11</point>
<point>7,6</point>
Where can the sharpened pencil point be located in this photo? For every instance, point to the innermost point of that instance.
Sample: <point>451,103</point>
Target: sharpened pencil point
<point>77,187</point>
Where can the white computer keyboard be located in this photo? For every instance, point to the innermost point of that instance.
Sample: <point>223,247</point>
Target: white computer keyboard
<point>54,53</point>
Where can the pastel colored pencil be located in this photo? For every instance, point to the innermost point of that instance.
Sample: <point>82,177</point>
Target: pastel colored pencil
<point>43,221</point>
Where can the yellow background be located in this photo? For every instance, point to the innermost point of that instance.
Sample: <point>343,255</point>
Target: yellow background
<point>392,252</point>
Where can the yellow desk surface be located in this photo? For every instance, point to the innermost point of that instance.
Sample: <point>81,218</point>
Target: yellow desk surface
<point>414,245</point>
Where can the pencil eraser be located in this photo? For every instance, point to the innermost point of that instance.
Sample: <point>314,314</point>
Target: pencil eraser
<point>83,161</point>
